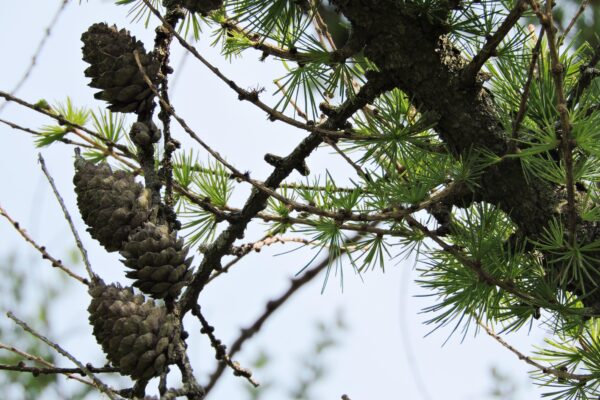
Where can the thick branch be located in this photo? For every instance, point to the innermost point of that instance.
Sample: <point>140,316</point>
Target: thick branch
<point>418,58</point>
<point>257,201</point>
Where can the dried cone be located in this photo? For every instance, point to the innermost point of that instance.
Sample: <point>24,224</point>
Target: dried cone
<point>201,6</point>
<point>113,69</point>
<point>158,261</point>
<point>112,204</point>
<point>136,335</point>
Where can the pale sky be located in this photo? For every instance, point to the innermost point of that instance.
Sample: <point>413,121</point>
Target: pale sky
<point>385,348</point>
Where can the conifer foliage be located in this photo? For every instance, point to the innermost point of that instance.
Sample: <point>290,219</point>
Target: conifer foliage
<point>472,129</point>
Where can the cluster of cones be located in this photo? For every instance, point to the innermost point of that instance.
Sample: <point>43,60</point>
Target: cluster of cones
<point>138,335</point>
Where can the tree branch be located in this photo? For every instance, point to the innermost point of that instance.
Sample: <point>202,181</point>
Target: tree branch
<point>274,305</point>
<point>220,349</point>
<point>80,246</point>
<point>42,249</point>
<point>543,369</point>
<point>99,384</point>
<point>38,51</point>
<point>489,49</point>
<point>558,74</point>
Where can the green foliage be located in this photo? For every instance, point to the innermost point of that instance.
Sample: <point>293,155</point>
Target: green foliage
<point>69,113</point>
<point>110,127</point>
<point>280,209</point>
<point>576,354</point>
<point>373,251</point>
<point>576,262</point>
<point>304,85</point>
<point>139,11</point>
<point>212,184</point>
<point>413,193</point>
<point>463,297</point>
<point>280,20</point>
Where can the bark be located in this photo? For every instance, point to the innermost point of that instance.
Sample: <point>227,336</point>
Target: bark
<point>417,57</point>
<point>414,52</point>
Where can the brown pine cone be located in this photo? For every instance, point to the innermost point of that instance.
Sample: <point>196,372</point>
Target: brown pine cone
<point>158,261</point>
<point>113,69</point>
<point>136,335</point>
<point>112,204</point>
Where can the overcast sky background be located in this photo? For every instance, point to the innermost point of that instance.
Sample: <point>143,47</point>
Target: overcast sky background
<point>384,350</point>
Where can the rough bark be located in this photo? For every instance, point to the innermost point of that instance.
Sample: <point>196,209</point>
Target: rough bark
<point>417,56</point>
<point>415,53</point>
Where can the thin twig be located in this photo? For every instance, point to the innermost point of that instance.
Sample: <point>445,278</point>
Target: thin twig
<point>242,93</point>
<point>321,26</point>
<point>99,384</point>
<point>190,383</point>
<point>221,349</point>
<point>525,95</point>
<point>21,367</point>
<point>364,227</point>
<point>489,49</point>
<point>38,51</point>
<point>225,269</point>
<point>108,150</point>
<point>241,251</point>
<point>580,11</point>
<point>558,74</point>
<point>39,360</point>
<point>267,241</point>
<point>36,133</point>
<point>163,41</point>
<point>300,186</point>
<point>42,249</point>
<point>394,214</point>
<point>80,246</point>
<point>290,54</point>
<point>274,305</point>
<point>560,374</point>
<point>62,121</point>
<point>354,165</point>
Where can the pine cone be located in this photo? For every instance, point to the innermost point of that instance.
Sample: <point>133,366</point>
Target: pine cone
<point>158,261</point>
<point>201,6</point>
<point>113,68</point>
<point>144,134</point>
<point>112,204</point>
<point>136,335</point>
